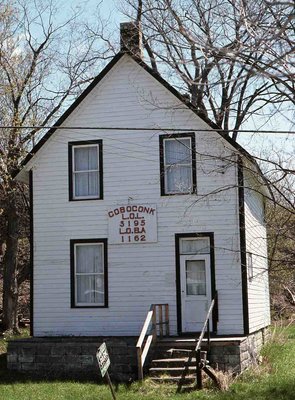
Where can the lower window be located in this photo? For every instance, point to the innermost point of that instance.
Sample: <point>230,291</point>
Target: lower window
<point>89,273</point>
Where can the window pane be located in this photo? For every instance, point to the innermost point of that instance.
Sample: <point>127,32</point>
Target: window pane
<point>90,289</point>
<point>195,246</point>
<point>86,183</point>
<point>178,179</point>
<point>85,158</point>
<point>195,277</point>
<point>89,258</point>
<point>178,151</point>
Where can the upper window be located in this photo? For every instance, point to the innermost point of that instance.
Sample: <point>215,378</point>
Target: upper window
<point>85,170</point>
<point>89,273</point>
<point>177,164</point>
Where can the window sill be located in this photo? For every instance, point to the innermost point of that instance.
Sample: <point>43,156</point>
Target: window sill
<point>94,306</point>
<point>178,194</point>
<point>86,199</point>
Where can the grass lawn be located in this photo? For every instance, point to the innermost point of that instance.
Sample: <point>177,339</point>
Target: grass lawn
<point>274,379</point>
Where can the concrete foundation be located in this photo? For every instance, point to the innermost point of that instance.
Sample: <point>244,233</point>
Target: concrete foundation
<point>237,354</point>
<point>72,357</point>
<point>76,357</point>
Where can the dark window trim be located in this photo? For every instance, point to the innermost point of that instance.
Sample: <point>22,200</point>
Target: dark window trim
<point>72,259</point>
<point>70,167</point>
<point>31,253</point>
<point>162,169</point>
<point>242,228</point>
<point>179,236</point>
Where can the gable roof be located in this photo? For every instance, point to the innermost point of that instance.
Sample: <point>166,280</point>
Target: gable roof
<point>161,80</point>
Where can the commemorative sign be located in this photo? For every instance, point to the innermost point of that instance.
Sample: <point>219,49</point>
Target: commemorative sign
<point>135,223</point>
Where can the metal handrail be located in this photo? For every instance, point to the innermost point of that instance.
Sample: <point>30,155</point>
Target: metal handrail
<point>201,337</point>
<point>151,317</point>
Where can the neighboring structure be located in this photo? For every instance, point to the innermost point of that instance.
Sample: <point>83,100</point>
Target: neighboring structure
<point>140,205</point>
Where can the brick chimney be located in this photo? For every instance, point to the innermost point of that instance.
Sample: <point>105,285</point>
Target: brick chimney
<point>131,38</point>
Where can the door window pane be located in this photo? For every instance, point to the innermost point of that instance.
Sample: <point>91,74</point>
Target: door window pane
<point>195,246</point>
<point>195,277</point>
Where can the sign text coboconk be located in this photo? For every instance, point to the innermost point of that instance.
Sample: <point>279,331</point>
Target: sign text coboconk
<point>135,223</point>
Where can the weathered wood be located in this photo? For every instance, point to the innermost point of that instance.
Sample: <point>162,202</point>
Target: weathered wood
<point>151,317</point>
<point>154,322</point>
<point>139,364</point>
<point>161,319</point>
<point>199,343</point>
<point>110,385</point>
<point>201,365</point>
<point>167,319</point>
<point>145,327</point>
<point>199,369</point>
<point>146,349</point>
<point>212,375</point>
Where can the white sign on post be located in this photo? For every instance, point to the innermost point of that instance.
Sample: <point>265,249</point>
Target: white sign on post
<point>103,359</point>
<point>104,362</point>
<point>135,223</point>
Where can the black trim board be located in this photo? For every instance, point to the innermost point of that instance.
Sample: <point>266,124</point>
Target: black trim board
<point>179,236</point>
<point>72,277</point>
<point>70,168</point>
<point>31,253</point>
<point>162,138</point>
<point>162,81</point>
<point>242,228</point>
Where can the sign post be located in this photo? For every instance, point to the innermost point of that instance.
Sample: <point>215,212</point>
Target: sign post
<point>104,362</point>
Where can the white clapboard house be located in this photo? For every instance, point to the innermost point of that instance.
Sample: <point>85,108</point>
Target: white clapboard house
<point>146,203</point>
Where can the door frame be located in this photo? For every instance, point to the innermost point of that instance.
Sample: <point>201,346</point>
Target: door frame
<point>179,236</point>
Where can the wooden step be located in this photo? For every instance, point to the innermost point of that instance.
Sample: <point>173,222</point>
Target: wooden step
<point>171,352</point>
<point>174,360</point>
<point>175,379</point>
<point>172,371</point>
<point>177,343</point>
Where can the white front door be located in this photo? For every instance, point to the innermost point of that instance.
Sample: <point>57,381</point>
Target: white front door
<point>195,286</point>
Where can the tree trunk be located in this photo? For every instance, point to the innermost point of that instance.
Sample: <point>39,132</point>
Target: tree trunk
<point>10,284</point>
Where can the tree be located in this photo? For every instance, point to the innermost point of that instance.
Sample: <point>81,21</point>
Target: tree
<point>236,61</point>
<point>44,64</point>
<point>234,58</point>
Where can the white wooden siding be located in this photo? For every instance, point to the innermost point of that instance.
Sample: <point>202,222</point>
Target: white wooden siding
<point>256,243</point>
<point>139,274</point>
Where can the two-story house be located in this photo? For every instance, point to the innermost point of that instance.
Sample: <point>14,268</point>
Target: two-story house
<point>137,200</point>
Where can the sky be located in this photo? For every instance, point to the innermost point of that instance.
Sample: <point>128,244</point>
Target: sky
<point>109,9</point>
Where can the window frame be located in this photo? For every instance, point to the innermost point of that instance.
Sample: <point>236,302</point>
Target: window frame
<point>85,143</point>
<point>162,138</point>
<point>73,244</point>
<point>250,266</point>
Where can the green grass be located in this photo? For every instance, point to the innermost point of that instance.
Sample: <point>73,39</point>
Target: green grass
<point>274,379</point>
